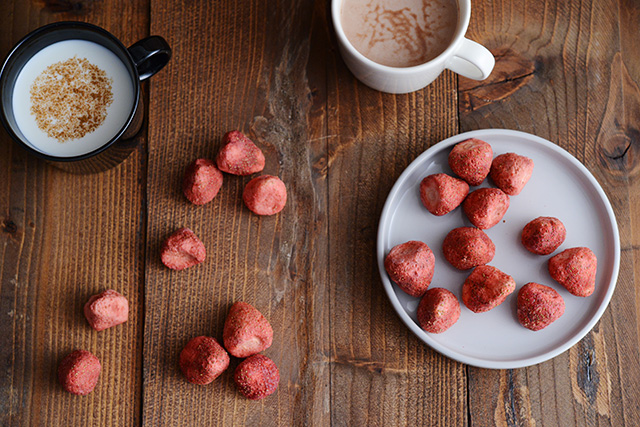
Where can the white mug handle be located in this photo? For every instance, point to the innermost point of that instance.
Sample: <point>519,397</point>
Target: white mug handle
<point>472,60</point>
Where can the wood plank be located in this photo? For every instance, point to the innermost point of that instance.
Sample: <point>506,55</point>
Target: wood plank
<point>62,238</point>
<point>381,373</point>
<point>561,62</point>
<point>619,135</point>
<point>238,65</point>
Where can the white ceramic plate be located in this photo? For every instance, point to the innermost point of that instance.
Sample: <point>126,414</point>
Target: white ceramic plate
<point>561,187</point>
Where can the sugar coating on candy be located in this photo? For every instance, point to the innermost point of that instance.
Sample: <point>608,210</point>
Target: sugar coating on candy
<point>182,249</point>
<point>538,306</point>
<point>575,269</point>
<point>441,193</point>
<point>202,181</point>
<point>438,310</point>
<point>510,172</point>
<point>246,330</point>
<point>78,372</point>
<point>106,309</point>
<point>265,195</point>
<point>543,235</point>
<point>257,377</point>
<point>486,288</point>
<point>485,207</point>
<point>411,265</point>
<point>468,247</point>
<point>202,360</point>
<point>471,160</point>
<point>239,155</point>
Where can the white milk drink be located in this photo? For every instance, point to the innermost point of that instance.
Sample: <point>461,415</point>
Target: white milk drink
<point>72,97</point>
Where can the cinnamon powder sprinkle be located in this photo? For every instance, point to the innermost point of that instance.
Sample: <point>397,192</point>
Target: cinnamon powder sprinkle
<point>70,99</point>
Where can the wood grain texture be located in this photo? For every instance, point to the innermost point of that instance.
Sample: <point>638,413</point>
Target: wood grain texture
<point>381,373</point>
<point>249,73</point>
<point>563,77</point>
<point>63,238</point>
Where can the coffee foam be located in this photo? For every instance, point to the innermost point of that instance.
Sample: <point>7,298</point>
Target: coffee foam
<point>117,112</point>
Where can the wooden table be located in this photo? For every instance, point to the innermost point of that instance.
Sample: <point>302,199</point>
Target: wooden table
<point>567,71</point>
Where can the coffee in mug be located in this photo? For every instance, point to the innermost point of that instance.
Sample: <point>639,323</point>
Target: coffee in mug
<point>399,46</point>
<point>400,33</point>
<point>71,97</point>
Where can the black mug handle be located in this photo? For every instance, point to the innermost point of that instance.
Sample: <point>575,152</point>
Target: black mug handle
<point>150,55</point>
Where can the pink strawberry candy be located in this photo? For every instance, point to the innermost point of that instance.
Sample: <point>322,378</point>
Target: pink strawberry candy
<point>575,269</point>
<point>467,247</point>
<point>265,195</point>
<point>411,266</point>
<point>78,372</point>
<point>202,360</point>
<point>486,288</point>
<point>510,172</point>
<point>239,155</point>
<point>438,310</point>
<point>257,377</point>
<point>485,207</point>
<point>106,309</point>
<point>441,193</point>
<point>202,181</point>
<point>182,249</point>
<point>538,306</point>
<point>246,331</point>
<point>543,235</point>
<point>471,160</point>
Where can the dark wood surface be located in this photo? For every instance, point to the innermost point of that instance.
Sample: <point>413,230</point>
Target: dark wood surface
<point>566,71</point>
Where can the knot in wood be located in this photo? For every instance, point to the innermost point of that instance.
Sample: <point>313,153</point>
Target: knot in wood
<point>617,152</point>
<point>8,226</point>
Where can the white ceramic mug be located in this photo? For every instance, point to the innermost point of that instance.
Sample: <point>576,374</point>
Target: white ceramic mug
<point>463,56</point>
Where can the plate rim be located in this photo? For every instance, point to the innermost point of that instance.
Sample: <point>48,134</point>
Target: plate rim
<point>384,224</point>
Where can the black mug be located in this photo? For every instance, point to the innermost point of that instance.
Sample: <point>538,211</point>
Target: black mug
<point>142,60</point>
